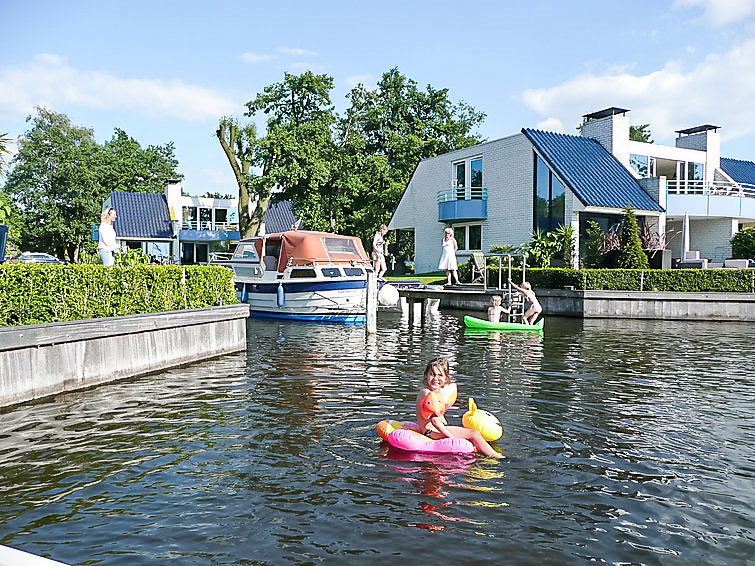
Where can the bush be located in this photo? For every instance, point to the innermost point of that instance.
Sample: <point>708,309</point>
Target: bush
<point>743,244</point>
<point>42,293</point>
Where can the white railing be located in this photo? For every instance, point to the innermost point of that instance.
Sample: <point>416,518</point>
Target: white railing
<point>720,188</point>
<point>209,225</point>
<point>462,193</point>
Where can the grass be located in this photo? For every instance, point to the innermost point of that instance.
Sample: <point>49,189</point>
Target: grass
<point>432,278</point>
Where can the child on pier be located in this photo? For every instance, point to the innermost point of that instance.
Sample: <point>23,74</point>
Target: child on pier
<point>435,397</point>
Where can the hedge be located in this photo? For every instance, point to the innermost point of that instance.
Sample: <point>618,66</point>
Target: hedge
<point>672,280</point>
<point>42,293</point>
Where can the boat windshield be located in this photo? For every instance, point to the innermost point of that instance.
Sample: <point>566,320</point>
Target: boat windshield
<point>341,246</point>
<point>246,251</point>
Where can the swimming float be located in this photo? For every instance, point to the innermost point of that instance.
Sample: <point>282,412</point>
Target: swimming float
<point>472,322</point>
<point>438,402</point>
<point>488,425</point>
<point>406,436</point>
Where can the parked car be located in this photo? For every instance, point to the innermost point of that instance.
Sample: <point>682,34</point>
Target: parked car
<point>35,257</point>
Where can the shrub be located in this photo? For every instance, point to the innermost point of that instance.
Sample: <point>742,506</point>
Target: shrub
<point>592,245</point>
<point>743,244</point>
<point>631,255</point>
<point>41,293</point>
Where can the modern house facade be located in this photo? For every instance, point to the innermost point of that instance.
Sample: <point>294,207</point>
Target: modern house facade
<point>181,229</point>
<point>499,192</point>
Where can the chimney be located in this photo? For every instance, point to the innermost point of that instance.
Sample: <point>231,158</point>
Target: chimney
<point>610,128</point>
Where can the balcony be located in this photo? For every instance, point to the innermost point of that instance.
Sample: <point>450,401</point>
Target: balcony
<point>462,203</point>
<point>704,198</point>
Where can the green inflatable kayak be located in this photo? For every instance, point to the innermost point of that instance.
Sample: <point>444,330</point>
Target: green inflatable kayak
<point>481,324</point>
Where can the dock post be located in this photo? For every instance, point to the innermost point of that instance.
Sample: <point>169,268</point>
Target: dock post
<point>410,303</point>
<point>371,325</point>
<point>423,305</point>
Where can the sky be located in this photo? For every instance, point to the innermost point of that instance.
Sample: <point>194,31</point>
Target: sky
<point>167,70</point>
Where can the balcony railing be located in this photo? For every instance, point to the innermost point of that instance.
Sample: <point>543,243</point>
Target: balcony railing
<point>209,225</point>
<point>462,203</point>
<point>715,188</point>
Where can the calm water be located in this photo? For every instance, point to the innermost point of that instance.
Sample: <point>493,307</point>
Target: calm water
<point>627,442</point>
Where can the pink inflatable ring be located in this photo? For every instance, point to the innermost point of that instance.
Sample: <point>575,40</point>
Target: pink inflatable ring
<point>406,436</point>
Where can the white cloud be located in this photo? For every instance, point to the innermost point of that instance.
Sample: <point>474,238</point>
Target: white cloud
<point>49,80</point>
<point>297,52</point>
<point>552,125</point>
<point>722,12</point>
<point>367,80</point>
<point>256,57</point>
<point>718,90</point>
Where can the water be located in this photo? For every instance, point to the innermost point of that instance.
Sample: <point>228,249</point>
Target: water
<point>627,442</point>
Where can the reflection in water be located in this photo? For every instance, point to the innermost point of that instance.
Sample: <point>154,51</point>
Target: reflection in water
<point>626,442</point>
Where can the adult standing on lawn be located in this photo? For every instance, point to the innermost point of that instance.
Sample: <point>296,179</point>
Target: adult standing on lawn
<point>107,245</point>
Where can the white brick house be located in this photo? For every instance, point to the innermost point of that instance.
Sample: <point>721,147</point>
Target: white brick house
<point>497,192</point>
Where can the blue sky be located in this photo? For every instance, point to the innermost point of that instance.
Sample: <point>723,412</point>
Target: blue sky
<point>167,70</point>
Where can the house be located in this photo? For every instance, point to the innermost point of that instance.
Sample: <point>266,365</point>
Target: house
<point>499,191</point>
<point>184,229</point>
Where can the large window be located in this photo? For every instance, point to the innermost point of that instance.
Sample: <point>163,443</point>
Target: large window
<point>468,173</point>
<point>549,198</point>
<point>468,236</point>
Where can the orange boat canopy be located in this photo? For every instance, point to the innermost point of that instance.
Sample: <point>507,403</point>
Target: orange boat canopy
<point>302,247</point>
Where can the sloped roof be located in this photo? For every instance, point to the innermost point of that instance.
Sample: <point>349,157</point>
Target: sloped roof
<point>595,176</point>
<point>740,171</point>
<point>279,217</point>
<point>141,215</point>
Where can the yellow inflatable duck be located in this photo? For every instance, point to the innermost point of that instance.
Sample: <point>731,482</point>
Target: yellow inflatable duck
<point>486,423</point>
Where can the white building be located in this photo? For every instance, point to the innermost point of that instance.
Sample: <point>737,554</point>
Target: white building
<point>498,192</point>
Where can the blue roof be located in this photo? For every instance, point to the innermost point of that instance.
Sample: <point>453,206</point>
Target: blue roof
<point>740,171</point>
<point>595,176</point>
<point>141,215</point>
<point>279,217</point>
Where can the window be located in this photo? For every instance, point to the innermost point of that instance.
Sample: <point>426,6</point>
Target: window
<point>475,177</point>
<point>353,271</point>
<point>695,171</point>
<point>640,165</point>
<point>468,173</point>
<point>221,215</point>
<point>468,236</point>
<point>205,219</point>
<point>246,251</point>
<point>340,246</point>
<point>460,178</point>
<point>301,273</point>
<point>550,198</point>
<point>190,217</point>
<point>331,272</point>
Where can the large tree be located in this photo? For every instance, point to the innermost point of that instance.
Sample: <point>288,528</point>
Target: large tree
<point>4,143</point>
<point>60,177</point>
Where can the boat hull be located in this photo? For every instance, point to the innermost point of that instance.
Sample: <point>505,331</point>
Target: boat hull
<point>478,323</point>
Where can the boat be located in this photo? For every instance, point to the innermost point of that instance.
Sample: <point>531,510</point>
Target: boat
<point>478,323</point>
<point>302,275</point>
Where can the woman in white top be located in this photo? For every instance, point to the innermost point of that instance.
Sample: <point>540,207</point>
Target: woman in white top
<point>107,244</point>
<point>448,259</point>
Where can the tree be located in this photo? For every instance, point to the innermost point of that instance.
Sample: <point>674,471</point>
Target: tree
<point>5,141</point>
<point>743,243</point>
<point>126,166</point>
<point>640,133</point>
<point>631,255</point>
<point>592,245</point>
<point>238,143</point>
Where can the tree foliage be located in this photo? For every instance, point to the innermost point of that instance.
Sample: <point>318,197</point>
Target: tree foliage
<point>5,141</point>
<point>743,243</point>
<point>345,173</point>
<point>631,255</point>
<point>61,175</point>
<point>640,133</point>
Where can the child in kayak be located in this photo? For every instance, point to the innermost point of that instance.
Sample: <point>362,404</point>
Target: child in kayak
<point>495,309</point>
<point>435,397</point>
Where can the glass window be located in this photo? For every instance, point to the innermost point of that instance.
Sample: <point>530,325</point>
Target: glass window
<point>460,233</point>
<point>205,218</point>
<point>202,253</point>
<point>353,271</point>
<point>221,215</point>
<point>695,171</point>
<point>476,173</point>
<point>475,237</point>
<point>187,254</point>
<point>331,272</point>
<point>190,216</point>
<point>460,175</point>
<point>246,251</point>
<point>341,246</point>
<point>542,195</point>
<point>300,273</point>
<point>640,164</point>
<point>558,202</point>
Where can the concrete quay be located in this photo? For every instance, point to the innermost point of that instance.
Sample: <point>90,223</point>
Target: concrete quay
<point>40,360</point>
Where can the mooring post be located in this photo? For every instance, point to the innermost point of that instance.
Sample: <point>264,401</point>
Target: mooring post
<point>371,325</point>
<point>410,304</point>
<point>422,312</point>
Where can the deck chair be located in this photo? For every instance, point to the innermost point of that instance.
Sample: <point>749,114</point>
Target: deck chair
<point>478,267</point>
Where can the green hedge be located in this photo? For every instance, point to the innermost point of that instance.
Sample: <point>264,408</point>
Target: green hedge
<point>41,293</point>
<point>680,280</point>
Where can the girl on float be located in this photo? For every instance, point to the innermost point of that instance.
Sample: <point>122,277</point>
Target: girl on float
<point>435,397</point>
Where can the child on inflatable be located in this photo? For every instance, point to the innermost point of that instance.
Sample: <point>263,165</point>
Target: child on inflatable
<point>495,309</point>
<point>434,399</point>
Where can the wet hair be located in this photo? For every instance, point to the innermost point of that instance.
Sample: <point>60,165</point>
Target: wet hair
<point>495,300</point>
<point>526,285</point>
<point>438,363</point>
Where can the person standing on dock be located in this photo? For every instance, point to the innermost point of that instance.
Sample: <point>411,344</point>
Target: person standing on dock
<point>448,259</point>
<point>108,244</point>
<point>378,251</point>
